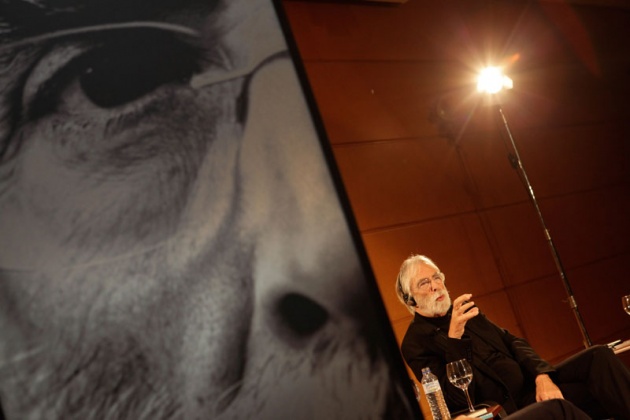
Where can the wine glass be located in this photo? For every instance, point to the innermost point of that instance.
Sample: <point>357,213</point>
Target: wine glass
<point>625,300</point>
<point>460,374</point>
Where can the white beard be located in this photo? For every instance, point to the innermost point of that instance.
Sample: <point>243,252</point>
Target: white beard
<point>430,306</point>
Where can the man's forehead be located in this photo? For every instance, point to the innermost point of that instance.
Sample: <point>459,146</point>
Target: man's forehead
<point>423,270</point>
<point>33,17</point>
<point>111,7</point>
<point>246,31</point>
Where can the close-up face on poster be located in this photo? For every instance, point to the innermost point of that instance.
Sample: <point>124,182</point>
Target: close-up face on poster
<point>173,240</point>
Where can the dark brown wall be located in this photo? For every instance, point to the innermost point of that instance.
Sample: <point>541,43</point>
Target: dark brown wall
<point>449,192</point>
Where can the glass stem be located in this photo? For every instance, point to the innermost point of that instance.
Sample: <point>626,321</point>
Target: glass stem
<point>471,407</point>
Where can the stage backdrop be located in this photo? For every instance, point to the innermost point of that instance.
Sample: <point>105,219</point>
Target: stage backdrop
<point>173,239</point>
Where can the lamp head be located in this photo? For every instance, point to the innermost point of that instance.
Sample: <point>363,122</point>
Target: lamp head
<point>492,80</point>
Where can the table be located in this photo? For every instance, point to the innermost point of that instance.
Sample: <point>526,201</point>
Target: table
<point>622,347</point>
<point>622,350</point>
<point>492,411</point>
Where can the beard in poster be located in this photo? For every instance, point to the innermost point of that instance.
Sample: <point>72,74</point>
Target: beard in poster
<point>171,242</point>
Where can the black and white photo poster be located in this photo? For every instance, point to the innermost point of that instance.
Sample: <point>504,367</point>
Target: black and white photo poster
<point>172,242</point>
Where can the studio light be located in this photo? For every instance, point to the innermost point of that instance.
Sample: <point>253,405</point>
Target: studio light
<point>491,81</point>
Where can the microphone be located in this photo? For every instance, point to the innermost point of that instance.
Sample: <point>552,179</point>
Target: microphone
<point>465,302</point>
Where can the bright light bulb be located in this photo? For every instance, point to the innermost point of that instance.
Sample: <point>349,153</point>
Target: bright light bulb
<point>492,80</point>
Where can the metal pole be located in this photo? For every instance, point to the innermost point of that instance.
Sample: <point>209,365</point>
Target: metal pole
<point>572,303</point>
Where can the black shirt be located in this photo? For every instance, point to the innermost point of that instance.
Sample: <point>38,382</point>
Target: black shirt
<point>505,367</point>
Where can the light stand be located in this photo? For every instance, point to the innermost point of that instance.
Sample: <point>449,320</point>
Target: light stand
<point>492,80</point>
<point>518,164</point>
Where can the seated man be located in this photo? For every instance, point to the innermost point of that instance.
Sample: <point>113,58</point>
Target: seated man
<point>505,368</point>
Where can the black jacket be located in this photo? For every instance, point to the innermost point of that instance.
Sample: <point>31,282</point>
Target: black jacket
<point>425,345</point>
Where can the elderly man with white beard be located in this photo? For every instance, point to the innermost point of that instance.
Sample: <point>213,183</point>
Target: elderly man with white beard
<point>506,370</point>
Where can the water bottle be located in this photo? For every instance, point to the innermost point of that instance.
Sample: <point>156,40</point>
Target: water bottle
<point>433,391</point>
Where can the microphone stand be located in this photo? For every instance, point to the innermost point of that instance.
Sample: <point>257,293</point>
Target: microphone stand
<point>518,164</point>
